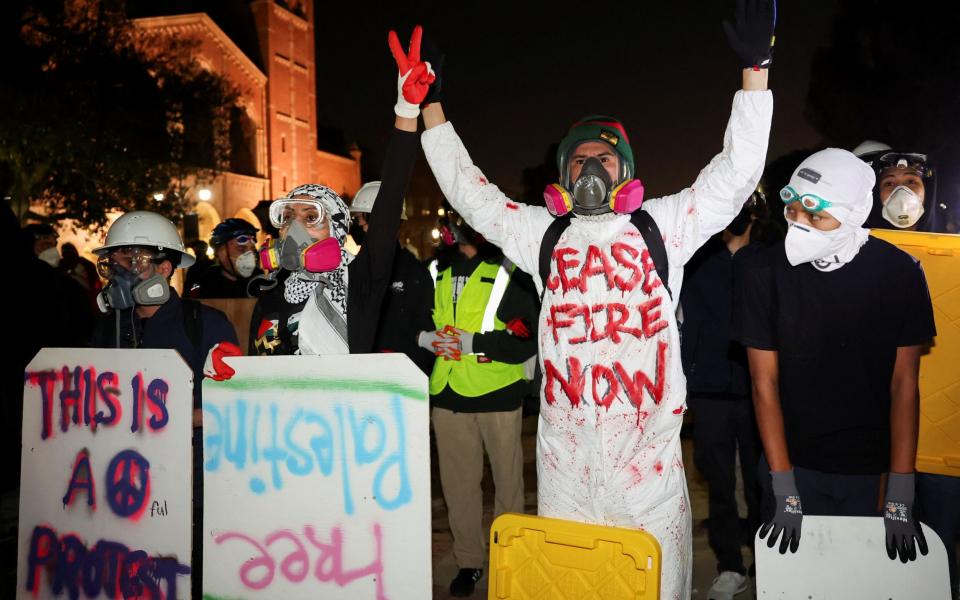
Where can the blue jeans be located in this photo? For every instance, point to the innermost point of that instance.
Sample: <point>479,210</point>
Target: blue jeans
<point>939,499</point>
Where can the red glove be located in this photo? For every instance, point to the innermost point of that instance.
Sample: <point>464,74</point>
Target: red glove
<point>414,78</point>
<point>214,367</point>
<point>519,328</point>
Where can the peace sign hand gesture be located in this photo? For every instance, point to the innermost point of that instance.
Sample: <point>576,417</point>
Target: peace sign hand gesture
<point>414,77</point>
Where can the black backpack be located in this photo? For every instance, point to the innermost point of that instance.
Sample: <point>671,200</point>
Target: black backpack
<point>641,219</point>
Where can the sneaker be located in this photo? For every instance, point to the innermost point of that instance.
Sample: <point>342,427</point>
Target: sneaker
<point>727,585</point>
<point>463,584</point>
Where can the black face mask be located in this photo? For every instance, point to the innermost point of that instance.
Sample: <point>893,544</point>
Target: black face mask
<point>740,223</point>
<point>357,233</point>
<point>592,189</point>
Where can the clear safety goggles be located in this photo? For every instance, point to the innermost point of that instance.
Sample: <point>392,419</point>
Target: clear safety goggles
<point>133,260</point>
<point>811,202</point>
<point>245,240</point>
<point>285,211</point>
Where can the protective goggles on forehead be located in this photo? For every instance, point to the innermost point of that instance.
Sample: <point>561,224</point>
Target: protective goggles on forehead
<point>904,160</point>
<point>285,211</point>
<point>132,260</point>
<point>811,202</point>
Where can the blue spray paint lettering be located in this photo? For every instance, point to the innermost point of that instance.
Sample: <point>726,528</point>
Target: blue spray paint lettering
<point>302,442</point>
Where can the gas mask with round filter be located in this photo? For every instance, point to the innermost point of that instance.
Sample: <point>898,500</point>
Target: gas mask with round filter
<point>297,250</point>
<point>125,289</point>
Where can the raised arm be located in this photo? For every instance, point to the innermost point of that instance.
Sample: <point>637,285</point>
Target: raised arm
<point>516,228</point>
<point>413,81</point>
<point>689,218</point>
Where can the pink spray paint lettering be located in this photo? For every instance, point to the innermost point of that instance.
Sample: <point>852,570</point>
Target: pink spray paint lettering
<point>329,566</point>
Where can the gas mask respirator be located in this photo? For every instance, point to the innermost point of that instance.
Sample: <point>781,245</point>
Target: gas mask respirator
<point>594,193</point>
<point>127,290</point>
<point>297,251</point>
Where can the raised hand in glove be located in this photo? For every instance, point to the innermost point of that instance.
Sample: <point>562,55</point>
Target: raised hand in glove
<point>214,367</point>
<point>414,77</point>
<point>788,516</point>
<point>899,524</point>
<point>751,34</point>
<point>432,55</point>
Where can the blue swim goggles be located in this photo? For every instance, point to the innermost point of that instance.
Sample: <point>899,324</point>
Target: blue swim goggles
<point>811,202</point>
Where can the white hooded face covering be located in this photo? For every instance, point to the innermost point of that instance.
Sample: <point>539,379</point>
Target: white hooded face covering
<point>845,182</point>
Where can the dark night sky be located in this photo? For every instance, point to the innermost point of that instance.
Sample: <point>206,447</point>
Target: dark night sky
<point>516,77</point>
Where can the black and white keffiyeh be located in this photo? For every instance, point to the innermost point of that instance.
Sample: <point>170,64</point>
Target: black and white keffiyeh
<point>330,289</point>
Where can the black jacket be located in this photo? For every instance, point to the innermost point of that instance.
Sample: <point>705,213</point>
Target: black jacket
<point>713,361</point>
<point>368,274</point>
<point>168,328</point>
<point>407,310</point>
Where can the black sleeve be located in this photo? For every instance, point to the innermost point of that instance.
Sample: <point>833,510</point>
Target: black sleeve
<point>918,325</point>
<point>254,328</point>
<point>754,305</point>
<point>217,328</point>
<point>375,260</point>
<point>519,302</point>
<point>424,317</point>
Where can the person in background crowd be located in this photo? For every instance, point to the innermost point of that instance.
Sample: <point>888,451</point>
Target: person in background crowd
<point>834,321</point>
<point>46,320</point>
<point>75,313</point>
<point>200,265</point>
<point>408,305</point>
<point>82,271</point>
<point>905,196</point>
<point>484,315</point>
<point>331,301</point>
<point>718,384</point>
<point>44,238</point>
<point>137,260</point>
<point>234,244</point>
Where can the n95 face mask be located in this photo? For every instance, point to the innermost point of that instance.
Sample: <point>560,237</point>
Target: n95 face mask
<point>903,207</point>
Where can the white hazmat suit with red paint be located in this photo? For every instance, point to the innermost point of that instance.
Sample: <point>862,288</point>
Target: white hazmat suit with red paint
<point>613,395</point>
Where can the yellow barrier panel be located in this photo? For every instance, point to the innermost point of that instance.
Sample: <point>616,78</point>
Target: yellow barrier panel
<point>939,253</point>
<point>535,558</point>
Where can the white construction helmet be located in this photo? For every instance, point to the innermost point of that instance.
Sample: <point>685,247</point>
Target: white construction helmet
<point>365,197</point>
<point>868,150</point>
<point>143,228</point>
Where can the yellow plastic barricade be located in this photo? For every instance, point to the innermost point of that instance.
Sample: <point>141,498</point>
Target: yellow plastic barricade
<point>939,447</point>
<point>535,558</point>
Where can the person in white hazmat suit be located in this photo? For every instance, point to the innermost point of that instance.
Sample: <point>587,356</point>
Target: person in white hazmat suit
<point>613,395</point>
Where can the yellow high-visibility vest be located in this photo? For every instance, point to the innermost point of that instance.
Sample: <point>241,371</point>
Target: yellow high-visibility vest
<point>476,311</point>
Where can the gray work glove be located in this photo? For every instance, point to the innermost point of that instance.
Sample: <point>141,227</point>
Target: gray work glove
<point>789,514</point>
<point>445,343</point>
<point>900,526</point>
<point>431,340</point>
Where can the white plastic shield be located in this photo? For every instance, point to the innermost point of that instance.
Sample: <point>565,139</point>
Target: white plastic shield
<point>105,492</point>
<point>317,479</point>
<point>846,557</point>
